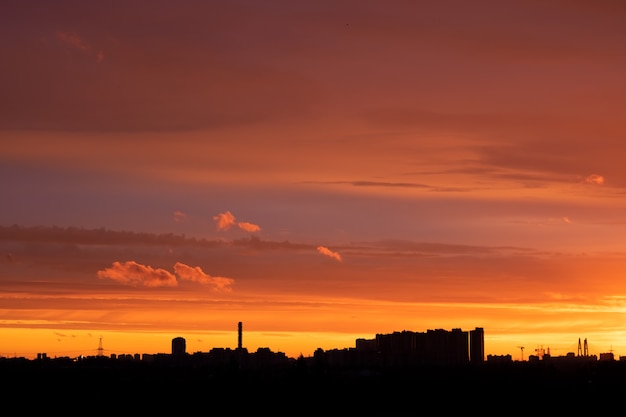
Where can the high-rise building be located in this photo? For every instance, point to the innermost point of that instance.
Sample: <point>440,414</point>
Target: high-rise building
<point>477,345</point>
<point>179,347</point>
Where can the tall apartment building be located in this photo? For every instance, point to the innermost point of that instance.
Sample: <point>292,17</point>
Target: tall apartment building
<point>477,345</point>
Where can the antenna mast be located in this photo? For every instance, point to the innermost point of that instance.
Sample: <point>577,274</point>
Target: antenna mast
<point>100,348</point>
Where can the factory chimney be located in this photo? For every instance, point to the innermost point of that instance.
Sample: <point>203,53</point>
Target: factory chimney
<point>239,344</point>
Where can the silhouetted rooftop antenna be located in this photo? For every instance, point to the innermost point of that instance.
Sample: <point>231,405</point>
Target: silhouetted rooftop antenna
<point>100,348</point>
<point>522,349</point>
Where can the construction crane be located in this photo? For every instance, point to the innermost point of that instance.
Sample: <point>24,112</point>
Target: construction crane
<point>521,348</point>
<point>540,352</point>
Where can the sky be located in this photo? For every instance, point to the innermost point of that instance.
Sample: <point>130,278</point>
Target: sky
<point>320,171</point>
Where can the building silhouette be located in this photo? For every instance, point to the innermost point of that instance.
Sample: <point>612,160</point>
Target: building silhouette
<point>179,347</point>
<point>406,349</point>
<point>437,346</point>
<point>477,345</point>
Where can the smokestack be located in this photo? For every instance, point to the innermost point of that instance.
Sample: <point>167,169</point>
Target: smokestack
<point>240,336</point>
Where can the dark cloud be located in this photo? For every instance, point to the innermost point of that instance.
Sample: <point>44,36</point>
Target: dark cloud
<point>254,242</point>
<point>80,236</point>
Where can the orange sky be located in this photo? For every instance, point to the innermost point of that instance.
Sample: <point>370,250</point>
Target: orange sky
<point>319,171</point>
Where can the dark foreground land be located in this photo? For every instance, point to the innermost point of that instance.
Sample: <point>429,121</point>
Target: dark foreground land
<point>492,389</point>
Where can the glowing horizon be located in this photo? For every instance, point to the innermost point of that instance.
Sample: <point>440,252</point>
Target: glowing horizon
<point>330,171</point>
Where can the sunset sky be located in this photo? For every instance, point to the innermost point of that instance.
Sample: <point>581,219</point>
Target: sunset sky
<point>320,171</point>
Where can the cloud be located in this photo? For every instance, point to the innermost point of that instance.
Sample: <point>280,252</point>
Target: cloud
<point>64,334</point>
<point>135,274</point>
<point>594,179</point>
<point>357,183</point>
<point>73,40</point>
<point>224,221</point>
<point>75,235</point>
<point>77,42</point>
<point>179,216</point>
<point>196,274</point>
<point>325,251</point>
<point>248,227</point>
<point>256,243</point>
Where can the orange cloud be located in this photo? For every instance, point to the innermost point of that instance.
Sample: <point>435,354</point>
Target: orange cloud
<point>325,251</point>
<point>196,274</point>
<point>248,227</point>
<point>594,179</point>
<point>135,274</point>
<point>224,221</point>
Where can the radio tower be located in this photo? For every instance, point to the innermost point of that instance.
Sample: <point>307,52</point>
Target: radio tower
<point>100,348</point>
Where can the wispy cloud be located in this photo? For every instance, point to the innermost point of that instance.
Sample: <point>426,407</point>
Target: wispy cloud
<point>594,179</point>
<point>77,42</point>
<point>360,183</point>
<point>73,40</point>
<point>254,242</point>
<point>179,216</point>
<point>79,236</point>
<point>327,252</point>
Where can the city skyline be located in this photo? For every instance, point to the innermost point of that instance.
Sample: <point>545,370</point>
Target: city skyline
<point>474,340</point>
<point>454,346</point>
<point>404,349</point>
<point>320,171</point>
